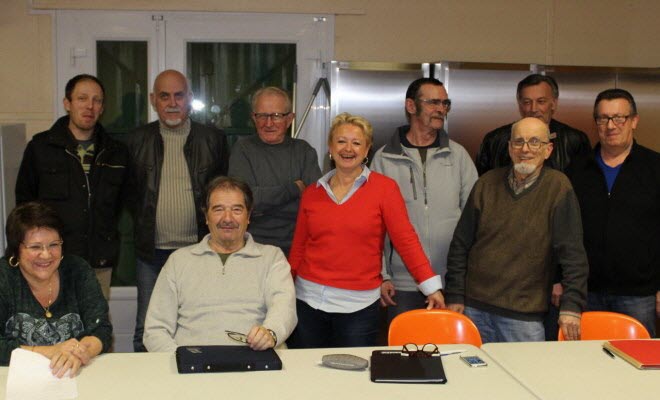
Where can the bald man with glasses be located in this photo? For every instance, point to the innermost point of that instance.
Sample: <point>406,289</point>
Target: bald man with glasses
<point>519,225</point>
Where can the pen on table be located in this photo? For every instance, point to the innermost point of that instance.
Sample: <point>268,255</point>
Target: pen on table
<point>450,352</point>
<point>609,353</point>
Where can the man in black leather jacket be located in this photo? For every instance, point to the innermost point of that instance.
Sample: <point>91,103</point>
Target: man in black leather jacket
<point>538,96</point>
<point>172,159</point>
<point>79,170</point>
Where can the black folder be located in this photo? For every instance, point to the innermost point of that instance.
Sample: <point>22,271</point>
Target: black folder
<point>196,359</point>
<point>390,366</point>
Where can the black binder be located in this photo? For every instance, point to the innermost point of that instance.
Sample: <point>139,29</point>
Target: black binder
<point>196,359</point>
<point>391,366</point>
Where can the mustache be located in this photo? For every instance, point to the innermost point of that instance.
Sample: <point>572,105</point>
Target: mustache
<point>225,225</point>
<point>172,109</point>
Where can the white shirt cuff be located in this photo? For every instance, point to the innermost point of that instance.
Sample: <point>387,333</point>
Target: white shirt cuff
<point>431,285</point>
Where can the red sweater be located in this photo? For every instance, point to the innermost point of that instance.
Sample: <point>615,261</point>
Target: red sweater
<point>342,245</point>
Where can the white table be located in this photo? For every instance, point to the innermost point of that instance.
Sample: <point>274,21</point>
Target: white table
<point>574,370</point>
<point>153,376</point>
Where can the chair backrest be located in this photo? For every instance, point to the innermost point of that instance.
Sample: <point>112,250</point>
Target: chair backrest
<point>605,325</point>
<point>433,326</point>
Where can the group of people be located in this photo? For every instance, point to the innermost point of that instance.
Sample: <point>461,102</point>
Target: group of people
<point>263,249</point>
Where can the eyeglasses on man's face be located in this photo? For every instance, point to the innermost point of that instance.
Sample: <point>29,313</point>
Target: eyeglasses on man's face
<point>617,119</point>
<point>534,143</point>
<point>427,350</point>
<point>446,103</point>
<point>275,117</point>
<point>38,248</point>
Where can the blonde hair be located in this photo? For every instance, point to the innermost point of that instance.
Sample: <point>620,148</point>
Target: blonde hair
<point>360,122</point>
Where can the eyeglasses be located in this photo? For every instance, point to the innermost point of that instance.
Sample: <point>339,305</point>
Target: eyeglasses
<point>275,117</point>
<point>239,337</point>
<point>427,350</point>
<point>38,248</point>
<point>617,119</point>
<point>533,143</point>
<point>446,103</point>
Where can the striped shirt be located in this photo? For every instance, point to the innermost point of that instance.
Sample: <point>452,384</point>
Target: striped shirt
<point>176,224</point>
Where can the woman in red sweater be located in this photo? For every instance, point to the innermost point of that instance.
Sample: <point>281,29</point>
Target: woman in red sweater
<point>337,248</point>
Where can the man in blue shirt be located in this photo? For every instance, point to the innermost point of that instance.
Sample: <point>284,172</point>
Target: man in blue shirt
<point>618,187</point>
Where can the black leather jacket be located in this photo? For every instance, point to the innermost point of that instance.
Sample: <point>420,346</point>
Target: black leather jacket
<point>569,143</point>
<point>206,156</point>
<point>89,206</point>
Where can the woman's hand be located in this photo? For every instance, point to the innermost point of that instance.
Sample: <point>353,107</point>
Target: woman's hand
<point>387,292</point>
<point>435,300</point>
<point>91,346</point>
<point>68,356</point>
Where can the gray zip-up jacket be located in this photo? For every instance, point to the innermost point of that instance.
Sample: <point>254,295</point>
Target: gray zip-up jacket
<point>435,194</point>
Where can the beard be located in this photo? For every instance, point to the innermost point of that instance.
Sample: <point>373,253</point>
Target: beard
<point>173,122</point>
<point>524,168</point>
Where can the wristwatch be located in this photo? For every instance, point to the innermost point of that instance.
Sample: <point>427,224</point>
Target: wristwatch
<point>272,333</point>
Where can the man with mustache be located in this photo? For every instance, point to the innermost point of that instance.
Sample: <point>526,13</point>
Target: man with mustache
<point>538,97</point>
<point>172,160</point>
<point>519,224</point>
<point>226,288</point>
<point>79,170</point>
<point>435,176</point>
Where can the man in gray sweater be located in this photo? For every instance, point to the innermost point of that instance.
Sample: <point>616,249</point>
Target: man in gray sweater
<point>276,166</point>
<point>225,289</point>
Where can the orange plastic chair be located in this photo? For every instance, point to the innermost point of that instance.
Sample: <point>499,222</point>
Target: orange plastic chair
<point>433,326</point>
<point>605,325</point>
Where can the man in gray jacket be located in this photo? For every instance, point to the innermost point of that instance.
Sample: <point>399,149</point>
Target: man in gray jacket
<point>435,175</point>
<point>276,166</point>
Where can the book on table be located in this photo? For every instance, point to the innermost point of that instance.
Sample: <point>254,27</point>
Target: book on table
<point>642,353</point>
<point>388,366</point>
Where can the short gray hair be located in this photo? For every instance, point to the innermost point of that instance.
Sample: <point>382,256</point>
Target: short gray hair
<point>274,91</point>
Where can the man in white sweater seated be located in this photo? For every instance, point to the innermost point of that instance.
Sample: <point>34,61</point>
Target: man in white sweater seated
<point>225,289</point>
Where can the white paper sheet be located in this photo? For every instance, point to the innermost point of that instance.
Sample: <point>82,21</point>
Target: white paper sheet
<point>29,378</point>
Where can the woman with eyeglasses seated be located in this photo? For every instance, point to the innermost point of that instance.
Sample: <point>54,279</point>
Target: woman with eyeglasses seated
<point>49,303</point>
<point>337,248</point>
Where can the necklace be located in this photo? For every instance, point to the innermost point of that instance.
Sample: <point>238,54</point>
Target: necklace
<point>49,314</point>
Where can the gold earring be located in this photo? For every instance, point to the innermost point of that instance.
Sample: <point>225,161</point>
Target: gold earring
<point>13,262</point>
<point>330,156</point>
